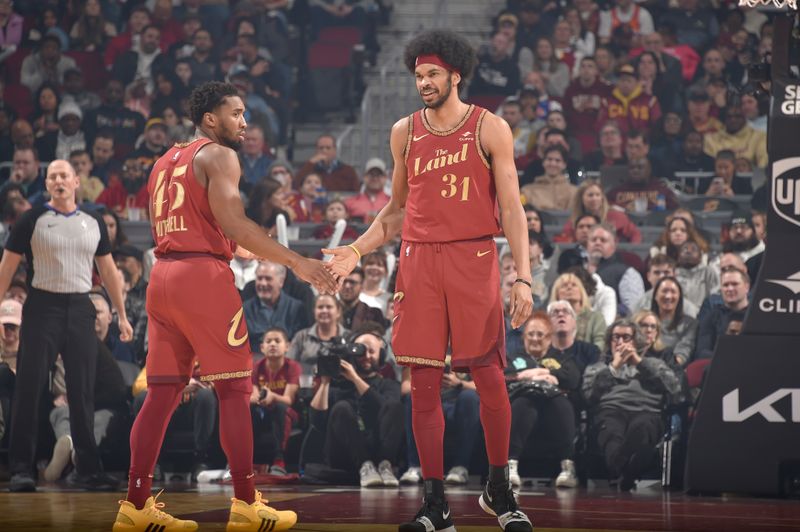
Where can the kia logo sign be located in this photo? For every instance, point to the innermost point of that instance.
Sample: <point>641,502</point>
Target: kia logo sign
<point>732,414</point>
<point>786,189</point>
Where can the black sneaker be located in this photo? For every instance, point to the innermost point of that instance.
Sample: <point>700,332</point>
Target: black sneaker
<point>501,503</point>
<point>21,482</point>
<point>94,482</point>
<point>432,517</point>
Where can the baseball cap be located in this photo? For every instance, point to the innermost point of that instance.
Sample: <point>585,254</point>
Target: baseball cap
<point>11,312</point>
<point>626,70</point>
<point>155,122</point>
<point>697,94</point>
<point>531,5</point>
<point>742,218</point>
<point>127,250</point>
<point>239,70</point>
<point>73,71</point>
<point>69,108</point>
<point>375,163</point>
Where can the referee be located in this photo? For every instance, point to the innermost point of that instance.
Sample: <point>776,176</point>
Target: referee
<point>59,242</point>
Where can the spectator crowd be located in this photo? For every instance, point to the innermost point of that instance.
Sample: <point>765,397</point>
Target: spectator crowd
<point>639,156</point>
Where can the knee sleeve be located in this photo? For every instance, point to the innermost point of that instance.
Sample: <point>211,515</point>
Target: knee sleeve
<point>425,389</point>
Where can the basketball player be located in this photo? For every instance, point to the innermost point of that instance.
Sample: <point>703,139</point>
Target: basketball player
<point>194,309</point>
<point>453,163</point>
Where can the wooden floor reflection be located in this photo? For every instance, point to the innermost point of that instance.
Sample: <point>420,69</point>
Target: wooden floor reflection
<point>344,509</point>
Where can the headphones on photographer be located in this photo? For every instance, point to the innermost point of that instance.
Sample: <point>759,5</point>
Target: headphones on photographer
<point>382,355</point>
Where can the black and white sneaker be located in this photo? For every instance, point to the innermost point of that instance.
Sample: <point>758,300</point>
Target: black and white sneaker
<point>434,516</point>
<point>430,518</point>
<point>502,504</point>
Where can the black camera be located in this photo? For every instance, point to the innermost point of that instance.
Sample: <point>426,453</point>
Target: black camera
<point>759,76</point>
<point>335,350</point>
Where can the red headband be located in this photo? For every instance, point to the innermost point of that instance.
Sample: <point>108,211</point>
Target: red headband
<point>434,59</point>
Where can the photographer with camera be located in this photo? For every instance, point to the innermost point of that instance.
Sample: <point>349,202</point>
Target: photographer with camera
<point>276,380</point>
<point>357,409</point>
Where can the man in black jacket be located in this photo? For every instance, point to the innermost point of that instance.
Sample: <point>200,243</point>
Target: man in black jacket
<point>141,64</point>
<point>734,285</point>
<point>359,414</point>
<point>356,312</point>
<point>113,117</point>
<point>608,264</point>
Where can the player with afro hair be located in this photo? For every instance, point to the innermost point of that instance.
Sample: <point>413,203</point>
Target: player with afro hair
<point>452,48</point>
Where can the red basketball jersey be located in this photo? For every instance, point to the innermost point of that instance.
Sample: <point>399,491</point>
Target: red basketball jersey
<point>452,193</point>
<point>181,215</point>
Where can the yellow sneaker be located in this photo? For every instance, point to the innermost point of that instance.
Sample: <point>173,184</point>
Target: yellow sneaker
<point>258,517</point>
<point>149,519</point>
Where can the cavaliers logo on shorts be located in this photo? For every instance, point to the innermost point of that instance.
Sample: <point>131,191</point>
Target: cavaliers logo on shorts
<point>237,334</point>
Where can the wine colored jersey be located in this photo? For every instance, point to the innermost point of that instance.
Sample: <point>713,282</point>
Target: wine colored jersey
<point>451,189</point>
<point>276,381</point>
<point>180,213</point>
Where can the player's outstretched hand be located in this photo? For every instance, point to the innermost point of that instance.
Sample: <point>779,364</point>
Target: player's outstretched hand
<point>314,272</point>
<point>125,331</point>
<point>521,304</point>
<point>343,261</point>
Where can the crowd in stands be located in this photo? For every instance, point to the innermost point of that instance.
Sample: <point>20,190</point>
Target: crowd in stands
<point>609,104</point>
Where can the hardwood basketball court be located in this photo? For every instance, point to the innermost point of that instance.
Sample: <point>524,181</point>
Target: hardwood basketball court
<point>346,508</point>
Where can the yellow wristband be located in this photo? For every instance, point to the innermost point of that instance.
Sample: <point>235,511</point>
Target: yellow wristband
<point>358,253</point>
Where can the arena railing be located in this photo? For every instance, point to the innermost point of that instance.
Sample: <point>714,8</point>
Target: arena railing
<point>382,99</point>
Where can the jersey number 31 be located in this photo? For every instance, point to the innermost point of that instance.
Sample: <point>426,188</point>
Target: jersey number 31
<point>451,188</point>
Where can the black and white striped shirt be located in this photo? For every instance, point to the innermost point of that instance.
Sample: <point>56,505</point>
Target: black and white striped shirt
<point>60,248</point>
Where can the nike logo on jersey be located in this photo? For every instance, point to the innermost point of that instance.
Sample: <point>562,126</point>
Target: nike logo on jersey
<point>416,138</point>
<point>482,253</point>
<point>446,515</point>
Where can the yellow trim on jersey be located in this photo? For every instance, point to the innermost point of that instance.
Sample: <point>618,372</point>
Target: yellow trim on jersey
<point>449,131</point>
<point>407,149</point>
<point>226,375</point>
<point>481,152</point>
<point>419,361</point>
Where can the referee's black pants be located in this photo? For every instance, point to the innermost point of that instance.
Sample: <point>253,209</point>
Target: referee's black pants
<point>55,324</point>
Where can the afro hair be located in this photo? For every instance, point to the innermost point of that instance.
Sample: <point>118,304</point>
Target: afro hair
<point>451,47</point>
<point>207,97</point>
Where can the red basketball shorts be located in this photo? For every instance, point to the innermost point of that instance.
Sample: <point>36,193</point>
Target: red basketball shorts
<point>194,311</point>
<point>448,292</point>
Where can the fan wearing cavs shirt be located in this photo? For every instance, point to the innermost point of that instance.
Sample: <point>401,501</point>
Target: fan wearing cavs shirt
<point>276,380</point>
<point>453,165</point>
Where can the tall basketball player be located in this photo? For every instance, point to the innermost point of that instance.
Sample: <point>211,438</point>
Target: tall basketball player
<point>194,309</point>
<point>453,164</point>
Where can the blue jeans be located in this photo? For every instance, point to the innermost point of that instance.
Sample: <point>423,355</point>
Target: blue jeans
<point>464,413</point>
